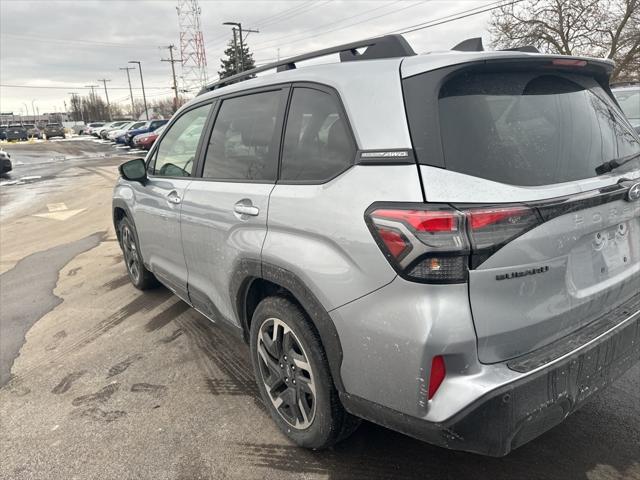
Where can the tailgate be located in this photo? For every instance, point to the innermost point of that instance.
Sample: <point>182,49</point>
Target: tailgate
<point>556,278</point>
<point>538,159</point>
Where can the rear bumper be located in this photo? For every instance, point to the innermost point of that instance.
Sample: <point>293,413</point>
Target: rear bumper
<point>518,412</point>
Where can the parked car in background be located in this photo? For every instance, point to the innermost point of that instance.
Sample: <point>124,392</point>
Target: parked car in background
<point>89,128</point>
<point>149,126</point>
<point>628,96</point>
<point>33,131</point>
<point>145,140</point>
<point>52,130</point>
<point>5,162</point>
<point>105,129</point>
<point>16,131</point>
<point>120,136</point>
<point>3,132</point>
<point>445,244</point>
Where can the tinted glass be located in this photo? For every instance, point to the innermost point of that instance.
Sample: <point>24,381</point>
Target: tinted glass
<point>244,142</point>
<point>530,128</point>
<point>317,144</point>
<point>177,151</point>
<point>523,128</point>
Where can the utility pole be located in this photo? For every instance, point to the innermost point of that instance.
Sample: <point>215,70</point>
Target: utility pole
<point>144,96</point>
<point>94,107</point>
<point>247,30</point>
<point>126,69</point>
<point>106,94</point>
<point>171,60</point>
<point>93,93</point>
<point>33,110</point>
<point>235,51</point>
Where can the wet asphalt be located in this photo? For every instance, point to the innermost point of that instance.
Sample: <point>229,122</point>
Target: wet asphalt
<point>102,381</point>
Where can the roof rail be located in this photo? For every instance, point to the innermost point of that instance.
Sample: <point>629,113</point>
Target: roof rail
<point>388,46</point>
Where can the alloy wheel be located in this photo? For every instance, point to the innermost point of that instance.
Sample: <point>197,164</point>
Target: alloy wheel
<point>130,251</point>
<point>286,373</point>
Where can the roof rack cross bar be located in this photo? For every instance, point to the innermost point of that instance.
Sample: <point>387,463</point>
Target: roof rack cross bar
<point>388,46</point>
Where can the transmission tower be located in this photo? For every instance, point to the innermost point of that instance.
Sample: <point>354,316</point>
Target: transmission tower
<point>194,60</point>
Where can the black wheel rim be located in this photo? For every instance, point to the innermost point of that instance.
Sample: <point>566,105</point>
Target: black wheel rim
<point>286,373</point>
<point>130,251</point>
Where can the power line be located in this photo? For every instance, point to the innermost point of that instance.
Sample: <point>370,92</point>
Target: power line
<point>295,39</point>
<point>261,23</point>
<point>265,20</point>
<point>60,87</point>
<point>290,15</point>
<point>431,23</point>
<point>320,27</point>
<point>72,41</point>
<point>458,16</point>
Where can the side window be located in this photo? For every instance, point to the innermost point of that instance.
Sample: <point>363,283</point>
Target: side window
<point>317,142</point>
<point>244,142</point>
<point>177,150</point>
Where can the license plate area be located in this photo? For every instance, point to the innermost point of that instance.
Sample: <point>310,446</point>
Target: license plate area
<point>614,246</point>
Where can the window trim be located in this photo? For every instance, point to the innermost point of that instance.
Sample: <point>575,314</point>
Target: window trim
<point>334,93</point>
<point>285,92</point>
<point>152,155</point>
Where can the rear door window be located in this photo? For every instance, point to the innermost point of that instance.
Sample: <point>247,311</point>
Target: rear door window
<point>527,128</point>
<point>245,139</point>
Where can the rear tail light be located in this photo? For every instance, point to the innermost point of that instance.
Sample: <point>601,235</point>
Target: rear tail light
<point>439,243</point>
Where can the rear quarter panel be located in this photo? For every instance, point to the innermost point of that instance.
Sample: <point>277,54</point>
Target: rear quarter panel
<point>319,233</point>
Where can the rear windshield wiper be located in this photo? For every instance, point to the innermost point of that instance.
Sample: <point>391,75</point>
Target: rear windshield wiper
<point>611,165</point>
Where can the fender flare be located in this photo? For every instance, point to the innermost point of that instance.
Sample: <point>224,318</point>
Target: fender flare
<point>119,203</point>
<point>247,271</point>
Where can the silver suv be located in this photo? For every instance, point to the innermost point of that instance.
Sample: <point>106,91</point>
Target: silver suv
<point>445,244</point>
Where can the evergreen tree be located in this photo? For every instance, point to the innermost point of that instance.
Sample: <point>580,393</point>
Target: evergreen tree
<point>230,64</point>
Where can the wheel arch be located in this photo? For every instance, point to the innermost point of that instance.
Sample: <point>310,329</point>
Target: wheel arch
<point>253,281</point>
<point>119,211</point>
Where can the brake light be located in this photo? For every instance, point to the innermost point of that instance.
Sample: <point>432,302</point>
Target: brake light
<point>436,377</point>
<point>439,243</point>
<point>569,62</point>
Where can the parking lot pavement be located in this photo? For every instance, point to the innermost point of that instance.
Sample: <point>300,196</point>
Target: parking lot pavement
<point>104,381</point>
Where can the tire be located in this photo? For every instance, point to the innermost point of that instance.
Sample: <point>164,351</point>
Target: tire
<point>318,420</point>
<point>140,277</point>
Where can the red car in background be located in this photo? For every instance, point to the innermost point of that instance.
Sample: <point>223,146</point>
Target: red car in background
<point>145,141</point>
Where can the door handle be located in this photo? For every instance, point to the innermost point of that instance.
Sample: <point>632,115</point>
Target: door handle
<point>243,209</point>
<point>173,197</point>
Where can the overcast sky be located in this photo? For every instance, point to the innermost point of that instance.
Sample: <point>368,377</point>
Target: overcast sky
<point>70,44</point>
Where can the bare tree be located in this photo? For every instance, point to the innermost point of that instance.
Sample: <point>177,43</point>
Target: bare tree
<point>597,28</point>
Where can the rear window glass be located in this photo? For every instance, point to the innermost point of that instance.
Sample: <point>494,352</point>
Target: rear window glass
<point>530,128</point>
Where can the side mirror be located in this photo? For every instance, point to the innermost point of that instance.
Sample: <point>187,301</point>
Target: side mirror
<point>134,170</point>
